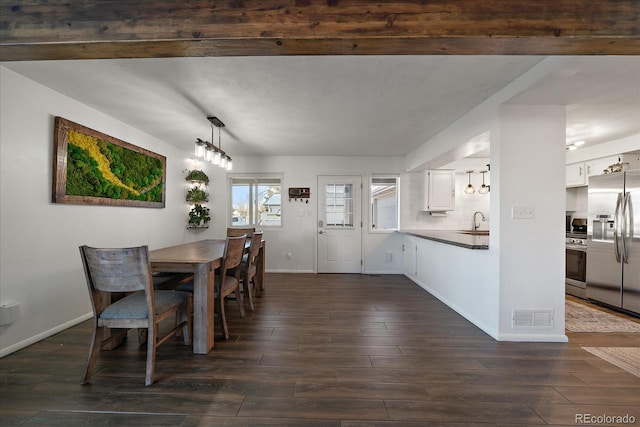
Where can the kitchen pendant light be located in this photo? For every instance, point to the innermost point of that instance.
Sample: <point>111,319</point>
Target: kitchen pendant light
<point>484,189</point>
<point>469,188</point>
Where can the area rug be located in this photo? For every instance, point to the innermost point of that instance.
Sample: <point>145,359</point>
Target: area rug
<point>627,358</point>
<point>580,318</point>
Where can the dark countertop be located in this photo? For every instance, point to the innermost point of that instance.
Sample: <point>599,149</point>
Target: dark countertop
<point>451,237</point>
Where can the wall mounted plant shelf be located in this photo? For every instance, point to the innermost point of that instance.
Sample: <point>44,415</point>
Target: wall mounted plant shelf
<point>199,215</point>
<point>197,176</point>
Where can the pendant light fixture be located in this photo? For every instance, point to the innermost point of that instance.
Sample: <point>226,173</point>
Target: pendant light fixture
<point>469,188</point>
<point>209,151</point>
<point>484,189</point>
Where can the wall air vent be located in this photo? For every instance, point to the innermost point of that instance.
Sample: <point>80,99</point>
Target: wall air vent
<point>532,319</point>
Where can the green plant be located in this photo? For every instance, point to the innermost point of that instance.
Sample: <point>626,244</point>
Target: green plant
<point>197,175</point>
<point>199,215</point>
<point>197,195</point>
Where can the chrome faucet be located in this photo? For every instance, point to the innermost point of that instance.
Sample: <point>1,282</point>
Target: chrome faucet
<point>476,224</point>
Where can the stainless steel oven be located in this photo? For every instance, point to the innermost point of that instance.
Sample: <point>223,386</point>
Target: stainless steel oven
<point>576,267</point>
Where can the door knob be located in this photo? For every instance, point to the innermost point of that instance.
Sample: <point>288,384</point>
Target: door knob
<point>320,232</point>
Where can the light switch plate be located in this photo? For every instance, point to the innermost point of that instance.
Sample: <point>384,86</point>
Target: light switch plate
<point>522,212</point>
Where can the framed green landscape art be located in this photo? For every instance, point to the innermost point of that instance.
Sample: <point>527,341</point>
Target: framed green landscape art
<point>92,168</point>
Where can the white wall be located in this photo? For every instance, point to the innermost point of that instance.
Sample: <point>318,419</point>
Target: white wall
<point>40,266</point>
<point>532,171</point>
<point>292,248</point>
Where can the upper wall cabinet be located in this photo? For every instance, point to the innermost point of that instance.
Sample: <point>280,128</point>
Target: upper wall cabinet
<point>578,173</point>
<point>440,194</point>
<point>598,166</point>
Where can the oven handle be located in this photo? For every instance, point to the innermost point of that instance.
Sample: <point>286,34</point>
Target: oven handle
<point>616,239</point>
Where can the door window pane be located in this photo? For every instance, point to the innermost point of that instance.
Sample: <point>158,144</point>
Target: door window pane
<point>339,205</point>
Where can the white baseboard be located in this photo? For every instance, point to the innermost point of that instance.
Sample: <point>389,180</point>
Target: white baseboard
<point>384,272</point>
<point>42,335</point>
<point>290,271</point>
<point>533,337</point>
<point>311,271</point>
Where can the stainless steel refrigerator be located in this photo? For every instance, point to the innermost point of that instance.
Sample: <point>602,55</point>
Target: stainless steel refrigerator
<point>613,240</point>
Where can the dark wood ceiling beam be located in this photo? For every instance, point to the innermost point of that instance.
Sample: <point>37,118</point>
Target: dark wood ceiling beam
<point>50,29</point>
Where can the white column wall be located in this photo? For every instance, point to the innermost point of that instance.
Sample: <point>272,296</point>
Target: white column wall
<point>531,162</point>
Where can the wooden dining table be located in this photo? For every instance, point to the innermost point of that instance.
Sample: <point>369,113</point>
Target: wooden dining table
<point>200,258</point>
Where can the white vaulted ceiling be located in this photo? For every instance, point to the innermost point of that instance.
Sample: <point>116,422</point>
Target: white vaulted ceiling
<point>334,105</point>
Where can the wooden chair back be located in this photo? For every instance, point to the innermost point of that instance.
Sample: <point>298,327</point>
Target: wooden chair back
<point>249,269</point>
<point>234,231</point>
<point>117,270</point>
<point>256,241</point>
<point>226,283</point>
<point>233,252</point>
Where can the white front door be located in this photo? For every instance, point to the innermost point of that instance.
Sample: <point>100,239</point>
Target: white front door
<point>339,224</point>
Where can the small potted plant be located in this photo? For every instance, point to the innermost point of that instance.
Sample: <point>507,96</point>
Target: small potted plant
<point>197,176</point>
<point>197,195</point>
<point>198,216</point>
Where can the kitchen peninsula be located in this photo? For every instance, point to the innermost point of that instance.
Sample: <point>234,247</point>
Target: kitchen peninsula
<point>441,262</point>
<point>462,238</point>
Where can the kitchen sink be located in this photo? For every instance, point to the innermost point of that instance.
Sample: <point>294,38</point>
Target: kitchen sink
<point>475,232</point>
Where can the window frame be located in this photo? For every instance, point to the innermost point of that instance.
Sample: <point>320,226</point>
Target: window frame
<point>371,228</point>
<point>258,179</point>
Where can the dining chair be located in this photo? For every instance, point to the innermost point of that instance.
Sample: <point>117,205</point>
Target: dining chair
<point>227,281</point>
<point>248,269</point>
<point>127,271</point>
<point>235,231</point>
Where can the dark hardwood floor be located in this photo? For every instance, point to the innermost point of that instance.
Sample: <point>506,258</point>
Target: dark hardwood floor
<point>324,350</point>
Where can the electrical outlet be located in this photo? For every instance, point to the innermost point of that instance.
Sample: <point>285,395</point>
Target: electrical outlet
<point>522,212</point>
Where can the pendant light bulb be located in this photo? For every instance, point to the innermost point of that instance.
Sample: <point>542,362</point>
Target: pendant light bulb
<point>484,189</point>
<point>469,188</point>
<point>229,164</point>
<point>199,148</point>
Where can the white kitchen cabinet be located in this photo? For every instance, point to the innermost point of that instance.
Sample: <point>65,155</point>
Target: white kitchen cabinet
<point>576,174</point>
<point>440,191</point>
<point>597,166</point>
<point>410,255</point>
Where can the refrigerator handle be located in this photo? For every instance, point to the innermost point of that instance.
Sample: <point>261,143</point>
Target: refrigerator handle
<point>616,230</point>
<point>627,227</point>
